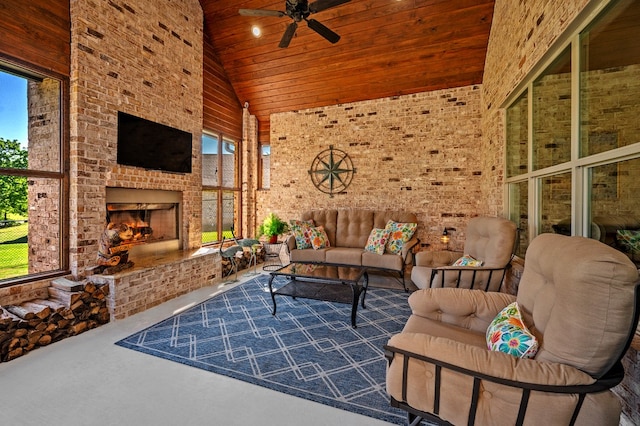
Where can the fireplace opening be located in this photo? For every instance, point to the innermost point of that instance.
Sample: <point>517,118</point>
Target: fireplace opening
<point>154,218</point>
<point>149,222</point>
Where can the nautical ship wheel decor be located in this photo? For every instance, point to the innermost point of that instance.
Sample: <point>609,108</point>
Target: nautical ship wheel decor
<point>332,171</point>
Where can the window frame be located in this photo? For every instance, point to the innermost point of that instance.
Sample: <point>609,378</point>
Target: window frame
<point>220,188</point>
<point>579,167</point>
<point>31,72</point>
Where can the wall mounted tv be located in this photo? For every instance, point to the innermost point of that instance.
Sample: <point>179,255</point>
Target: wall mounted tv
<point>154,146</point>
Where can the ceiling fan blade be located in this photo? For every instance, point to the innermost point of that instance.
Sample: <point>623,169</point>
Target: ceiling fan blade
<point>288,35</point>
<point>323,31</point>
<point>320,5</point>
<point>260,12</point>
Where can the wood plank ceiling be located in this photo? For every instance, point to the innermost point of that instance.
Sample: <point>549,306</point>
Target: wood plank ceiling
<point>388,48</point>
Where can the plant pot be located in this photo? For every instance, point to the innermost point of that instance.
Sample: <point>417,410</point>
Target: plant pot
<point>273,239</point>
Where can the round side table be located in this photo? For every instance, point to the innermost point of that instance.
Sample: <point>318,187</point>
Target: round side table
<point>272,259</point>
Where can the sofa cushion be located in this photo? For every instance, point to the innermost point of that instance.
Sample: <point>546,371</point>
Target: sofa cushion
<point>507,333</point>
<point>399,233</point>
<point>385,261</point>
<point>318,238</point>
<point>377,240</point>
<point>344,256</point>
<point>309,255</point>
<point>353,227</point>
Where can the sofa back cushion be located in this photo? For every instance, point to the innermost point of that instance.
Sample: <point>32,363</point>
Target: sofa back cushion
<point>351,227</point>
<point>577,296</point>
<point>325,218</point>
<point>354,227</point>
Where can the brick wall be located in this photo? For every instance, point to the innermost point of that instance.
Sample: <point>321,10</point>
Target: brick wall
<point>142,57</point>
<point>419,153</point>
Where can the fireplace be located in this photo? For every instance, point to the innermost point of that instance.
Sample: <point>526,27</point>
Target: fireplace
<point>154,217</point>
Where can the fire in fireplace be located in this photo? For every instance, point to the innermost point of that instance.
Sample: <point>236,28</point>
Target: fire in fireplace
<point>153,216</point>
<point>149,222</point>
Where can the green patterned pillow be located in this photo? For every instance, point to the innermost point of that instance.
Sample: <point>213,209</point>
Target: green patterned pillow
<point>318,238</point>
<point>300,231</point>
<point>467,260</point>
<point>399,233</point>
<point>629,239</point>
<point>507,333</point>
<point>377,240</point>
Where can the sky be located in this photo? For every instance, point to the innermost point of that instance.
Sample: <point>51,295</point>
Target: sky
<point>13,108</point>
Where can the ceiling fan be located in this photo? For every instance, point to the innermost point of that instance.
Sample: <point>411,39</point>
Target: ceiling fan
<point>299,10</point>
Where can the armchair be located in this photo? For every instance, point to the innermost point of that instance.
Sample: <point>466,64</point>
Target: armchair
<point>489,239</point>
<point>577,296</point>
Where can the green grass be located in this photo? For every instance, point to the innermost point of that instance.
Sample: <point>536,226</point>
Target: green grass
<point>14,251</point>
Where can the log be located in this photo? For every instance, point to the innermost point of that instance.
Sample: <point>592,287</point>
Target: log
<point>52,304</point>
<point>67,285</point>
<point>65,297</point>
<point>78,328</point>
<point>40,311</point>
<point>45,340</point>
<point>34,336</point>
<point>90,287</point>
<point>19,311</point>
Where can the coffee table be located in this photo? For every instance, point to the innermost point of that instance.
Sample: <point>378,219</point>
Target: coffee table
<point>329,282</point>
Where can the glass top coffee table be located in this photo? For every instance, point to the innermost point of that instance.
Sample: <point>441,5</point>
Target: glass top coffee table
<point>332,283</point>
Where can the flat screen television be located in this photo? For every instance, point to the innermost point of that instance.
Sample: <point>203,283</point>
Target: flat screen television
<point>154,146</point>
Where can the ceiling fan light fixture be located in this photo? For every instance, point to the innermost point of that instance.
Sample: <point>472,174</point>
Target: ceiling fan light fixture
<point>256,31</point>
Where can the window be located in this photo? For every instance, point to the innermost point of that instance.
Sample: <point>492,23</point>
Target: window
<point>265,166</point>
<point>31,176</point>
<point>584,143</point>
<point>220,192</point>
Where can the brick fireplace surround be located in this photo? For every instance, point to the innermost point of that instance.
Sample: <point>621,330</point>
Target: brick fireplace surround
<point>145,59</point>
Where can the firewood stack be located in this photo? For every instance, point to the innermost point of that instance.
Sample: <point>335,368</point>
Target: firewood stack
<point>243,262</point>
<point>72,308</point>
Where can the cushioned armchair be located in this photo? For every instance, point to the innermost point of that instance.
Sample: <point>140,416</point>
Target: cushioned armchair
<point>577,296</point>
<point>490,240</point>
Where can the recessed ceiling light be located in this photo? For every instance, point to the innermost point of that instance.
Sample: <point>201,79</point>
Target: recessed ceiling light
<point>255,30</point>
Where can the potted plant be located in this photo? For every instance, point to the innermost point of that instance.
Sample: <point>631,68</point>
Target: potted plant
<point>272,226</point>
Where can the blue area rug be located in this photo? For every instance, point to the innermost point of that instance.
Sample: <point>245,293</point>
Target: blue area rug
<point>309,349</point>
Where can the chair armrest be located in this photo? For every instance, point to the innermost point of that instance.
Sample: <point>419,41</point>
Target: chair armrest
<point>453,276</point>
<point>455,305</point>
<point>407,248</point>
<point>290,243</point>
<point>433,259</point>
<point>494,366</point>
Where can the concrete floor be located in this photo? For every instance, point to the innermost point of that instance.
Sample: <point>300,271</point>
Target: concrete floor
<point>87,380</point>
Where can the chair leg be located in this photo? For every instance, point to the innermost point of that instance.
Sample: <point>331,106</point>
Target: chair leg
<point>413,420</point>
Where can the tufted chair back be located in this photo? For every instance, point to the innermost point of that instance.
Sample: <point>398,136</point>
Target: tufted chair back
<point>490,239</point>
<point>579,296</point>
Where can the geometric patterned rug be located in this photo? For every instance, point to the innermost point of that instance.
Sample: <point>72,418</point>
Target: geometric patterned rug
<point>308,350</point>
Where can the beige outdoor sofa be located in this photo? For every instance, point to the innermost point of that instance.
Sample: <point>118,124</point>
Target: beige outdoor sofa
<point>348,231</point>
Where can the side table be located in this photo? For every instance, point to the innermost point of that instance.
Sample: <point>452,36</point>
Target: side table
<point>253,246</point>
<point>272,259</point>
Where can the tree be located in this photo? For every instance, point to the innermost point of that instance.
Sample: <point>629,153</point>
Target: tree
<point>13,189</point>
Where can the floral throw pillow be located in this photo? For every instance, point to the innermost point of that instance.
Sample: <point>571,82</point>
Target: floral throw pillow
<point>507,333</point>
<point>377,240</point>
<point>399,233</point>
<point>300,231</point>
<point>467,260</point>
<point>318,237</point>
